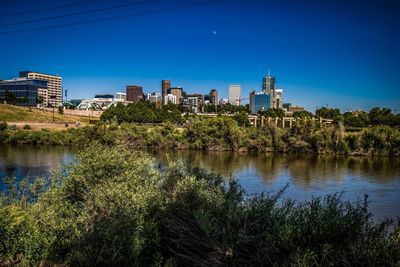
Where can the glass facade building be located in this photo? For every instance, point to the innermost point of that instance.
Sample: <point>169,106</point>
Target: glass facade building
<point>259,101</point>
<point>26,90</point>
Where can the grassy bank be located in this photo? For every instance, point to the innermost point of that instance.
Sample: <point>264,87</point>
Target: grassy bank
<point>115,207</point>
<point>11,113</point>
<point>223,133</point>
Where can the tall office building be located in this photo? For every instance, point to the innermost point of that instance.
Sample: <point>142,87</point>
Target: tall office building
<point>278,98</point>
<point>165,85</point>
<point>214,97</point>
<point>170,98</point>
<point>25,90</point>
<point>192,103</point>
<point>176,91</point>
<point>234,94</point>
<point>268,86</point>
<point>134,93</point>
<point>54,85</point>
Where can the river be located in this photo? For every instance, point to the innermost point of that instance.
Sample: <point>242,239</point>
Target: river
<point>306,175</point>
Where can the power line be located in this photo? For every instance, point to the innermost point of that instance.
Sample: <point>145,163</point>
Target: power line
<point>77,13</point>
<point>50,8</point>
<point>7,1</point>
<point>161,10</point>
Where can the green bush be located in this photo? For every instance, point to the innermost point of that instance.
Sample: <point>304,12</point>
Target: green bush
<point>12,127</point>
<point>26,127</point>
<point>3,126</point>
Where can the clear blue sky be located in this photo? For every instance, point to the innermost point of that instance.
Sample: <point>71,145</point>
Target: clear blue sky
<point>343,54</point>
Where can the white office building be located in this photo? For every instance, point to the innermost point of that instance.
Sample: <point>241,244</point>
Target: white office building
<point>120,96</point>
<point>170,98</point>
<point>234,94</point>
<point>279,98</point>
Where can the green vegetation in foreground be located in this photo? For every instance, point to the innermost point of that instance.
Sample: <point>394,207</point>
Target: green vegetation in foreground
<point>115,207</point>
<point>223,133</point>
<point>16,113</point>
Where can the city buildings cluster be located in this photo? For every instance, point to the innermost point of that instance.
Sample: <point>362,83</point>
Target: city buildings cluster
<point>34,88</point>
<point>31,86</point>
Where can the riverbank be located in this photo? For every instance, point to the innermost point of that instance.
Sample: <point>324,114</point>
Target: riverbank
<point>222,134</point>
<point>26,115</point>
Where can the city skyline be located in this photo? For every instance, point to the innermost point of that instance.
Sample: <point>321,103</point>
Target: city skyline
<point>340,54</point>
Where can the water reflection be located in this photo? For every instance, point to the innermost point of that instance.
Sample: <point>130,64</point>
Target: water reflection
<point>307,175</point>
<point>31,161</point>
<point>304,170</point>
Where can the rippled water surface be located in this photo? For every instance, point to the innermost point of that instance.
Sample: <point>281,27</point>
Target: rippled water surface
<point>306,175</point>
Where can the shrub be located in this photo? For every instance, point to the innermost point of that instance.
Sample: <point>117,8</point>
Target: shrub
<point>3,126</point>
<point>60,110</point>
<point>26,127</point>
<point>12,127</point>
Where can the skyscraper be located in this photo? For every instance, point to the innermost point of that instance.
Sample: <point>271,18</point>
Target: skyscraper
<point>279,98</point>
<point>134,93</point>
<point>54,85</point>
<point>234,94</point>
<point>165,85</point>
<point>268,86</point>
<point>176,91</point>
<point>214,97</point>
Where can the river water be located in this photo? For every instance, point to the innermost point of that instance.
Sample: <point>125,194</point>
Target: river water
<point>306,175</point>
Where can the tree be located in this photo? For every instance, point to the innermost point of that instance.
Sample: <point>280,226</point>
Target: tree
<point>302,114</point>
<point>39,99</point>
<point>10,97</point>
<point>360,119</point>
<point>242,118</point>
<point>328,113</point>
<point>60,110</point>
<point>273,113</point>
<point>25,100</point>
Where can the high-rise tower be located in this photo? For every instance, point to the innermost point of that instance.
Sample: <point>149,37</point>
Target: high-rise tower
<point>268,86</point>
<point>165,85</point>
<point>234,95</point>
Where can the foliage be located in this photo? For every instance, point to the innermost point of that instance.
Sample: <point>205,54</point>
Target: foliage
<point>302,114</point>
<point>143,112</point>
<point>383,116</point>
<point>224,133</point>
<point>60,110</point>
<point>26,127</point>
<point>242,118</point>
<point>115,207</point>
<point>40,99</point>
<point>3,126</point>
<point>10,97</point>
<point>328,113</point>
<point>273,113</point>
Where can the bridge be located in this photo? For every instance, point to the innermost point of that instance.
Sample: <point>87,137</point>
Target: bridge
<point>261,121</point>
